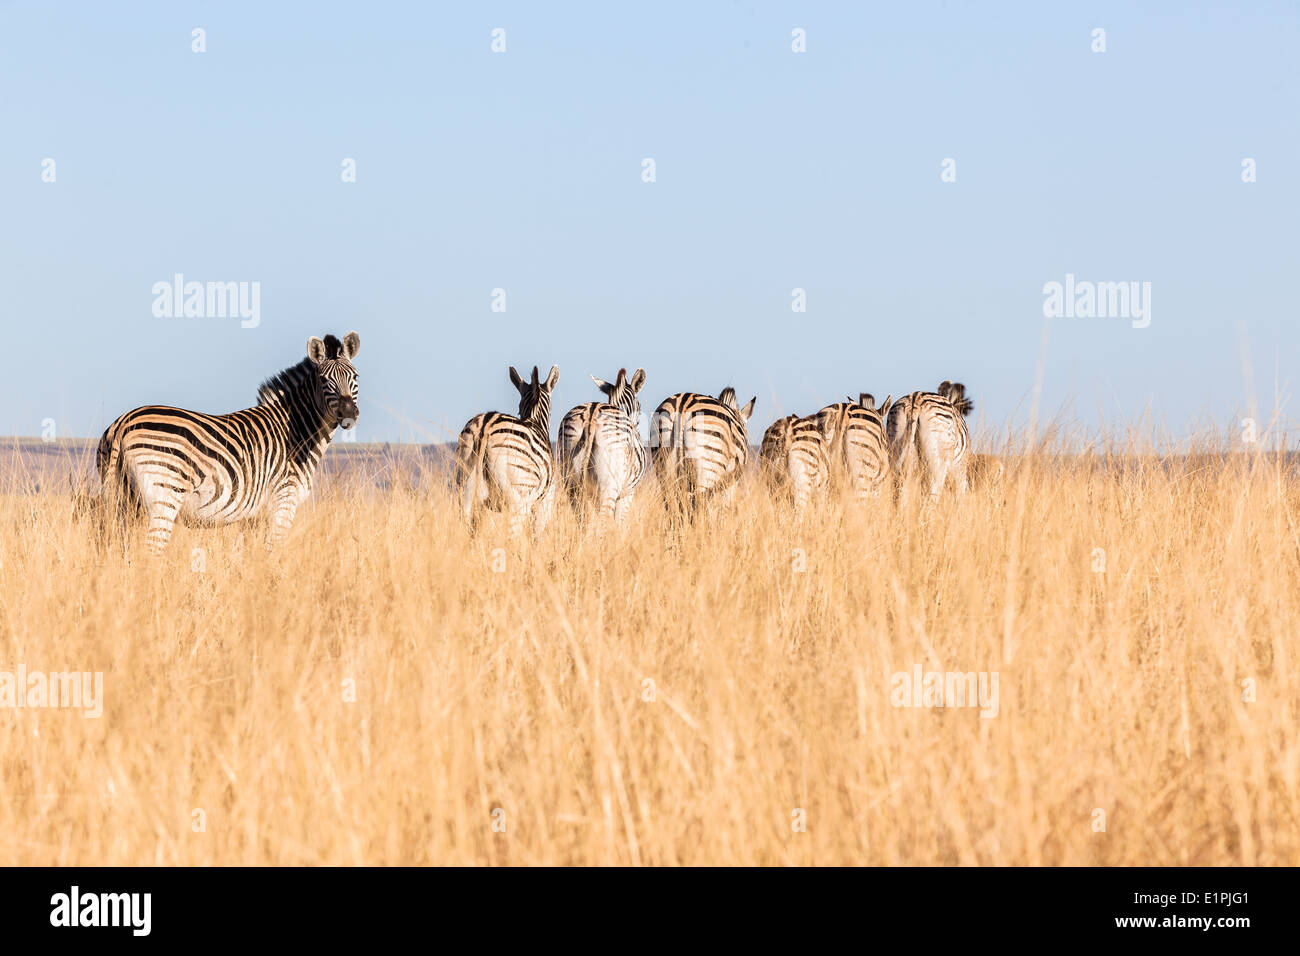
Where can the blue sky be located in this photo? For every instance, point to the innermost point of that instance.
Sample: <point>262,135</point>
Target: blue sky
<point>775,170</point>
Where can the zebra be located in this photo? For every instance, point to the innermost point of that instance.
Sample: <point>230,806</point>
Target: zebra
<point>218,469</point>
<point>930,427</point>
<point>600,447</point>
<point>699,445</point>
<point>503,462</point>
<point>855,440</point>
<point>794,454</point>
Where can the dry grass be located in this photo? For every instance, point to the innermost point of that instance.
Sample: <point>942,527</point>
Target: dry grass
<point>525,690</point>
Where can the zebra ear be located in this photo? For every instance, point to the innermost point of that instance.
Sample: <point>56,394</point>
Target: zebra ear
<point>553,379</point>
<point>603,385</point>
<point>516,381</point>
<point>316,349</point>
<point>637,380</point>
<point>748,409</point>
<point>351,345</point>
<point>884,406</point>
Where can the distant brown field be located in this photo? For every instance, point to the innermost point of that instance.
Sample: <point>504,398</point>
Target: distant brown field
<point>386,689</point>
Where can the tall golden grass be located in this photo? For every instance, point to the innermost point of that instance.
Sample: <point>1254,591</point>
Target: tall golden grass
<point>386,689</point>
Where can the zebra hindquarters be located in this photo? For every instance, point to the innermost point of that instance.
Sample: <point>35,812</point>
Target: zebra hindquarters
<point>818,471</point>
<point>802,486</point>
<point>674,475</point>
<point>519,483</point>
<point>573,453</point>
<point>943,449</point>
<point>471,481</point>
<point>900,441</point>
<point>155,487</point>
<point>118,499</point>
<point>868,462</point>
<point>616,465</point>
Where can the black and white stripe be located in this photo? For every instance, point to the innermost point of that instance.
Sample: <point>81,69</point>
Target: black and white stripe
<point>794,456</point>
<point>929,428</point>
<point>855,439</point>
<point>503,462</point>
<point>217,469</point>
<point>699,445</point>
<point>600,450</point>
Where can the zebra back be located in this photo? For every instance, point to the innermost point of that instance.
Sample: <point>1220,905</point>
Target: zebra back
<point>573,448</point>
<point>856,445</point>
<point>699,444</point>
<point>930,428</point>
<point>794,454</point>
<point>599,441</point>
<point>505,459</point>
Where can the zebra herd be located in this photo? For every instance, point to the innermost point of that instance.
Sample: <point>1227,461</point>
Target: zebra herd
<point>699,446</point>
<point>173,464</point>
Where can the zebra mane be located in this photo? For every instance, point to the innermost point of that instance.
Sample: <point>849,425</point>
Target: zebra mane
<point>294,379</point>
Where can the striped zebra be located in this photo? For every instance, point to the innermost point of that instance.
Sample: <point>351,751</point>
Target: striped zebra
<point>600,449</point>
<point>217,469</point>
<point>503,462</point>
<point>794,455</point>
<point>930,428</point>
<point>855,440</point>
<point>699,445</point>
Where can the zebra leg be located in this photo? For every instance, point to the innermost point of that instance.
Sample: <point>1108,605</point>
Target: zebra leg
<point>799,489</point>
<point>473,492</point>
<point>284,507</point>
<point>544,511</point>
<point>162,518</point>
<point>861,486</point>
<point>621,509</point>
<point>470,472</point>
<point>518,508</point>
<point>608,509</point>
<point>938,476</point>
<point>608,503</point>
